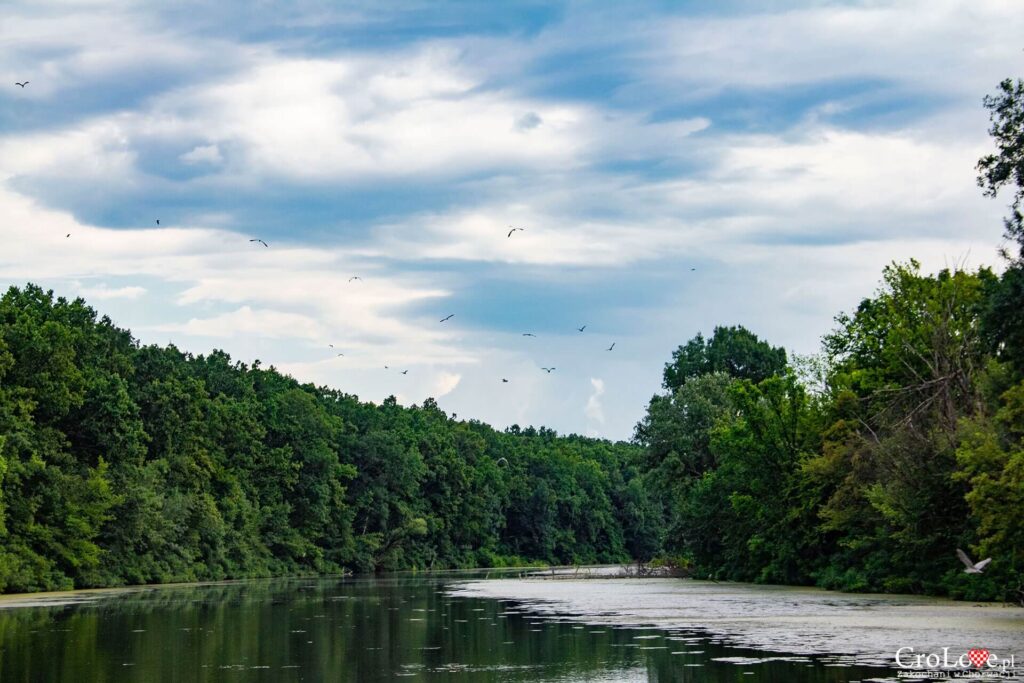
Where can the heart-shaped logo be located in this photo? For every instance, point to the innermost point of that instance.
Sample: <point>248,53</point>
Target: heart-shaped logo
<point>978,656</point>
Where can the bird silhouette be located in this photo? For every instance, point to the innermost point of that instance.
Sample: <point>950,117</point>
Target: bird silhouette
<point>331,345</point>
<point>261,242</point>
<point>21,84</point>
<point>385,367</point>
<point>449,317</point>
<point>972,567</point>
<point>354,277</point>
<point>580,329</point>
<point>513,230</point>
<point>692,269</point>
<point>158,221</point>
<point>529,334</point>
<point>340,355</point>
<point>611,347</point>
<point>547,370</point>
<point>405,372</point>
<point>504,381</point>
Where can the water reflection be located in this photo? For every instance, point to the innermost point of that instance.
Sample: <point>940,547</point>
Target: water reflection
<point>400,627</point>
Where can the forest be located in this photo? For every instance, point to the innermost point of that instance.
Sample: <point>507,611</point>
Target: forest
<point>128,464</point>
<point>861,468</point>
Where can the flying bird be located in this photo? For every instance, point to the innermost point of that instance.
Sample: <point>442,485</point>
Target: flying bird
<point>67,235</point>
<point>261,242</point>
<point>580,329</point>
<point>529,334</point>
<point>547,370</point>
<point>405,372</point>
<point>611,347</point>
<point>21,84</point>
<point>158,221</point>
<point>972,567</point>
<point>385,367</point>
<point>340,355</point>
<point>692,269</point>
<point>504,381</point>
<point>354,277</point>
<point>449,317</point>
<point>513,230</point>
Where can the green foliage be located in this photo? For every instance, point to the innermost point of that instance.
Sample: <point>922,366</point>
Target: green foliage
<point>991,461</point>
<point>908,443</point>
<point>121,464</point>
<point>735,351</point>
<point>995,171</point>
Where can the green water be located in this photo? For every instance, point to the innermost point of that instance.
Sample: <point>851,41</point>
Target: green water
<point>398,627</point>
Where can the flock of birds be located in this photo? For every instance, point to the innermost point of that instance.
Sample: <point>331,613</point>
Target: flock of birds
<point>504,380</point>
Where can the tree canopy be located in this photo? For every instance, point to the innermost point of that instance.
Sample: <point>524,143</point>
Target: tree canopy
<point>736,351</point>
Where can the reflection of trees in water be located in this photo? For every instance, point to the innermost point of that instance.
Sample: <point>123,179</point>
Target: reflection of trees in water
<point>358,630</point>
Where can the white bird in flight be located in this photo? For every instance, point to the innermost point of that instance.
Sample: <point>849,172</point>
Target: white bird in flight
<point>972,567</point>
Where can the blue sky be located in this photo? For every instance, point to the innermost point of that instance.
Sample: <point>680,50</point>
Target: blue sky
<point>675,166</point>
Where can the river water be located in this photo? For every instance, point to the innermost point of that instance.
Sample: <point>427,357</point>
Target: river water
<point>461,627</point>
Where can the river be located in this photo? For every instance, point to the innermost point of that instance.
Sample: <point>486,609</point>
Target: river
<point>464,627</point>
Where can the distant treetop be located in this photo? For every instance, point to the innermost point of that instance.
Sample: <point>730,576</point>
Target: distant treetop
<point>734,350</point>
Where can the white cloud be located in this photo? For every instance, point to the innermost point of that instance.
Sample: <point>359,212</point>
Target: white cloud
<point>103,292</point>
<point>246,321</point>
<point>284,291</point>
<point>904,41</point>
<point>203,154</point>
<point>445,384</point>
<point>821,185</point>
<point>594,410</point>
<point>68,46</point>
<point>424,112</point>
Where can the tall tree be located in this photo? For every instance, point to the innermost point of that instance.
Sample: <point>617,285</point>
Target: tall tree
<point>1006,166</point>
<point>1003,317</point>
<point>736,351</point>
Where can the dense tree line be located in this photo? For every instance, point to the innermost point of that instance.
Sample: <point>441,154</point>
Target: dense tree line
<point>122,463</point>
<point>863,468</point>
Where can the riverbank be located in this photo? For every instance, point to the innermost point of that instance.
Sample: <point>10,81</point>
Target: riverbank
<point>852,628</point>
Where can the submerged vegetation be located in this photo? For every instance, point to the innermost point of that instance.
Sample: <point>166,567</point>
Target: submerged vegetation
<point>862,469</point>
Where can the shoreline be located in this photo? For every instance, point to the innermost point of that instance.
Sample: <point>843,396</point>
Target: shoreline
<point>77,596</point>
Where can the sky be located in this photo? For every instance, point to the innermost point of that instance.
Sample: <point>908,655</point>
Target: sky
<point>673,166</point>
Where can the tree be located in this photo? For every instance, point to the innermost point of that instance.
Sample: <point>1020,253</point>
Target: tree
<point>735,351</point>
<point>991,459</point>
<point>995,171</point>
<point>1003,316</point>
<point>904,375</point>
